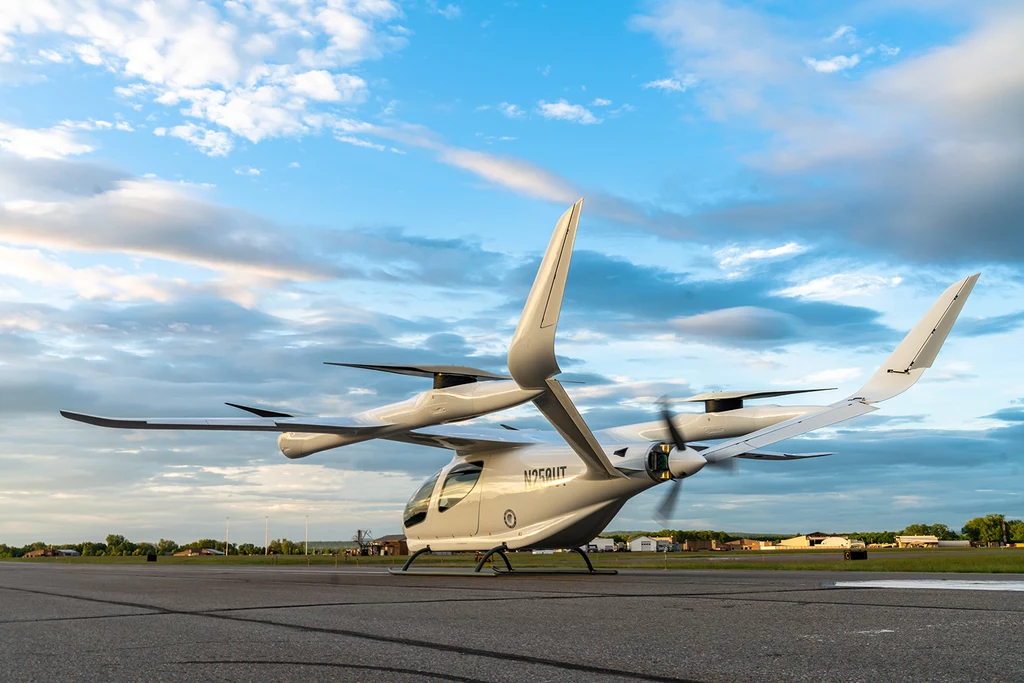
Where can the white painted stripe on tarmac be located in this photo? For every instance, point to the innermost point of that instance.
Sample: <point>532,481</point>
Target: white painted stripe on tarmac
<point>934,584</point>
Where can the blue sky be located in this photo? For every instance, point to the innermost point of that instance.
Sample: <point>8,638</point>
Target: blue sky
<point>200,202</point>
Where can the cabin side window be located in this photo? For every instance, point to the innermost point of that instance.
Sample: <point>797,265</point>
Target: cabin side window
<point>458,483</point>
<point>416,509</point>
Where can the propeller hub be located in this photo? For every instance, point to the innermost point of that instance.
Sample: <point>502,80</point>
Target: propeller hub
<point>664,462</point>
<point>685,463</point>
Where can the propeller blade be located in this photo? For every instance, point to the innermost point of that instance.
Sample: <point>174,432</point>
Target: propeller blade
<point>666,415</point>
<point>728,465</point>
<point>666,509</point>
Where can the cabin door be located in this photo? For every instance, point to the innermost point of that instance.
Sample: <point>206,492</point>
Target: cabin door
<point>458,503</point>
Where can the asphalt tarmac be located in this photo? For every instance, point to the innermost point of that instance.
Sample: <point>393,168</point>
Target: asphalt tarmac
<point>157,622</point>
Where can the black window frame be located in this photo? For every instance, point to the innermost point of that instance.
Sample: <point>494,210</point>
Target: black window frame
<point>476,466</point>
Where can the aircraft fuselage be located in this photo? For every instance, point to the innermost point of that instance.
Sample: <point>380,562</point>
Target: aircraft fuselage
<point>539,496</point>
<point>530,497</point>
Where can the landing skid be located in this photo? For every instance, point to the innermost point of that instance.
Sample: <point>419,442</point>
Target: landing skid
<point>540,570</point>
<point>495,571</point>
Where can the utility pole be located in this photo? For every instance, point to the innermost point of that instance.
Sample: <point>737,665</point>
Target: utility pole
<point>307,535</point>
<point>227,536</point>
<point>266,535</point>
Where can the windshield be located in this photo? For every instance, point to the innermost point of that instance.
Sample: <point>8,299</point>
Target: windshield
<point>459,481</point>
<point>416,509</point>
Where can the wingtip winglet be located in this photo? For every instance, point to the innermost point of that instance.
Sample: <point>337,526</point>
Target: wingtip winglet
<point>531,355</point>
<point>919,348</point>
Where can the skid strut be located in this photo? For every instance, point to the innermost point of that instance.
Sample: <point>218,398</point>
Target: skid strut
<point>412,558</point>
<point>498,550</point>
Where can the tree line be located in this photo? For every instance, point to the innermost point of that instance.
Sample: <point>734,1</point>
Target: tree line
<point>119,546</point>
<point>987,529</point>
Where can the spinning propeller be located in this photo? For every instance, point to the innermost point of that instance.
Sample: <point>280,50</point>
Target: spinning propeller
<point>666,508</point>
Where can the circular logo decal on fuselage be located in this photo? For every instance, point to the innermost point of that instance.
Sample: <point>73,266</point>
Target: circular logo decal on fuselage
<point>510,519</point>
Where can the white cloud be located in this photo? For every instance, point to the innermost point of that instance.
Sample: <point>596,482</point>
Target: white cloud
<point>848,31</point>
<point>841,286</point>
<point>888,51</point>
<point>158,219</point>
<point>133,90</point>
<point>93,282</point>
<point>91,124</point>
<point>512,111</point>
<point>448,11</point>
<point>257,69</point>
<point>738,54</point>
<point>89,54</point>
<point>833,64</point>
<point>740,323</point>
<point>326,87</point>
<point>833,376</point>
<point>600,102</point>
<point>565,111</point>
<point>360,142</point>
<point>210,142</point>
<point>903,502</point>
<point>736,257</point>
<point>248,170</point>
<point>515,174</point>
<point>293,164</point>
<point>673,84</point>
<point>47,143</point>
<point>52,56</point>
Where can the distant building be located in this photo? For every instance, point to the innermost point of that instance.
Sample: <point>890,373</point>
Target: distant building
<point>743,544</point>
<point>693,544</point>
<point>663,543</point>
<point>392,544</point>
<point>917,542</point>
<point>52,552</point>
<point>961,544</point>
<point>806,541</point>
<point>193,552</point>
<point>601,545</point>
<point>643,544</point>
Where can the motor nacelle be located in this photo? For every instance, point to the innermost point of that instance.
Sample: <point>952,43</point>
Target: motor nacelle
<point>664,461</point>
<point>299,444</point>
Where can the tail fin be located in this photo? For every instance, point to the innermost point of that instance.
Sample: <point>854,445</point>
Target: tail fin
<point>531,355</point>
<point>918,349</point>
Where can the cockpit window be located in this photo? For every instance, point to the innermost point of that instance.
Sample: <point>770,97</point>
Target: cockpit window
<point>416,509</point>
<point>459,481</point>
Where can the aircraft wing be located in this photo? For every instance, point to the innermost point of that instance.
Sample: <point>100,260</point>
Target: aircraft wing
<point>898,373</point>
<point>470,439</point>
<point>768,455</point>
<point>313,425</point>
<point>837,412</point>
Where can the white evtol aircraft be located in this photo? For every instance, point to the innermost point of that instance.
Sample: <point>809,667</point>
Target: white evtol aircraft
<point>510,489</point>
